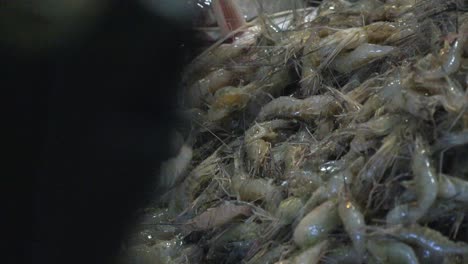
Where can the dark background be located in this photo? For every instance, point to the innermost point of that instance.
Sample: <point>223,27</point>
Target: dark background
<point>91,117</point>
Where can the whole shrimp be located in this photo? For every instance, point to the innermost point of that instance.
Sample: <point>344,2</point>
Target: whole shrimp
<point>198,92</point>
<point>378,126</point>
<point>328,191</point>
<point>232,99</point>
<point>308,256</point>
<point>303,109</point>
<point>452,188</point>
<point>253,189</point>
<point>383,158</point>
<point>452,58</point>
<point>287,212</point>
<point>360,56</point>
<point>317,224</point>
<point>398,97</point>
<point>341,255</point>
<point>350,46</point>
<point>425,179</point>
<point>390,251</point>
<point>450,140</point>
<point>353,221</point>
<point>258,140</point>
<point>430,239</point>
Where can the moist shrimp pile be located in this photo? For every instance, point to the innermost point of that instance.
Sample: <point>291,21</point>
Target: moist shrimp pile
<point>337,135</point>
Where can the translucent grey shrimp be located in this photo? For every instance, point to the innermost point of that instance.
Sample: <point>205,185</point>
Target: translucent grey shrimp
<point>227,100</point>
<point>334,166</point>
<point>258,137</point>
<point>342,255</point>
<point>301,183</point>
<point>361,144</point>
<point>269,255</point>
<point>324,128</point>
<point>257,189</point>
<point>202,173</point>
<point>303,109</point>
<point>197,93</point>
<point>269,79</point>
<point>425,181</point>
<point>216,57</point>
<point>382,159</point>
<point>310,255</point>
<point>451,63</point>
<point>452,96</point>
<point>359,57</point>
<point>310,75</point>
<point>430,239</point>
<point>400,98</point>
<point>319,53</point>
<point>236,232</point>
<point>392,252</point>
<point>287,212</point>
<point>354,223</point>
<point>266,130</point>
<point>332,145</point>
<point>368,109</point>
<point>328,191</point>
<point>294,157</point>
<point>452,188</point>
<point>173,170</point>
<point>450,140</point>
<point>378,126</point>
<point>428,256</point>
<point>317,224</point>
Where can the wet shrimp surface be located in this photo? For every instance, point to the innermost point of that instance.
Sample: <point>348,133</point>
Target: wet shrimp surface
<point>334,133</point>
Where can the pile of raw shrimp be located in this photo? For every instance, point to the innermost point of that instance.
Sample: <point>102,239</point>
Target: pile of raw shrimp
<point>334,134</point>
